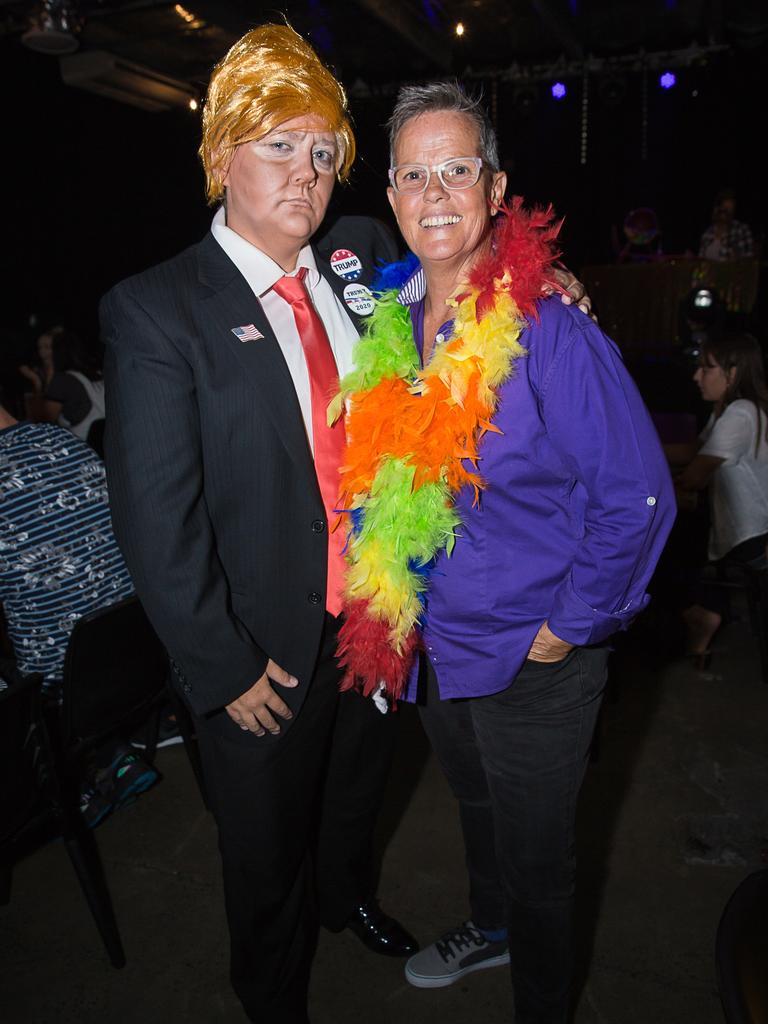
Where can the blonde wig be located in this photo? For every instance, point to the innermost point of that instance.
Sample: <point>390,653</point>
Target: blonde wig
<point>269,76</point>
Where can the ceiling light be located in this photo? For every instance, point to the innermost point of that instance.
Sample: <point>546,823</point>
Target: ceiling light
<point>183,13</point>
<point>119,79</point>
<point>459,30</point>
<point>52,28</point>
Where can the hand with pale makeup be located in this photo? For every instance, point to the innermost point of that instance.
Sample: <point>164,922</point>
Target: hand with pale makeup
<point>573,291</point>
<point>255,710</point>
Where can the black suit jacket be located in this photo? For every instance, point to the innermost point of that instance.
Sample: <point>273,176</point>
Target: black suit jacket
<point>214,497</point>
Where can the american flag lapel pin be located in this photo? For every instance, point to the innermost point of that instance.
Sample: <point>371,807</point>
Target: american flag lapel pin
<point>248,332</point>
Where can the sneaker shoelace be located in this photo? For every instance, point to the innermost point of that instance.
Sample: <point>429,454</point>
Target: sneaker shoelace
<point>87,795</point>
<point>127,763</point>
<point>455,942</point>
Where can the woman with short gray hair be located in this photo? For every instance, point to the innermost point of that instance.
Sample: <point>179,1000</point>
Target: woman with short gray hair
<point>448,97</point>
<point>501,428</point>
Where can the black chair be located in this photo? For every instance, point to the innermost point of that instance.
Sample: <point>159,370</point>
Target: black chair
<point>95,437</point>
<point>33,808</point>
<point>754,583</point>
<point>115,679</point>
<point>741,952</point>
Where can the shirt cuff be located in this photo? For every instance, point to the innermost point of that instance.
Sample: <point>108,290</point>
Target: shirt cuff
<point>576,622</point>
<point>204,698</point>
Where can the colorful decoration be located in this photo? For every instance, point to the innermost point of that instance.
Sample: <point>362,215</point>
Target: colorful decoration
<point>413,439</point>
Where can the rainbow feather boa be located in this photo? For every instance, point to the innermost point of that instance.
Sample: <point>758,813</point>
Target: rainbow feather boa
<point>412,442</point>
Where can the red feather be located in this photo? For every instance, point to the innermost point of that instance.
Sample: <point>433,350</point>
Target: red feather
<point>367,655</point>
<point>523,244</point>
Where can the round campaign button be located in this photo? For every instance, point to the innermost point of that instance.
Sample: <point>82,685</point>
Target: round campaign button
<point>346,264</point>
<point>359,299</point>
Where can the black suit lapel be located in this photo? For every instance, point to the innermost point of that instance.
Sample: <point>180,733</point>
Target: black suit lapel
<point>229,302</point>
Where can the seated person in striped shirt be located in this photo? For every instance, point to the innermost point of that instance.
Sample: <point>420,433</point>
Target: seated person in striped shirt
<point>59,561</point>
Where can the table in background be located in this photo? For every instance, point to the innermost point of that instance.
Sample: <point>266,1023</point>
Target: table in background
<point>639,304</point>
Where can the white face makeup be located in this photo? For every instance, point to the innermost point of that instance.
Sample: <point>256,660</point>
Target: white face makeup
<point>279,187</point>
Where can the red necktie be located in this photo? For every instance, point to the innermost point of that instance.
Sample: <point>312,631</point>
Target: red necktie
<point>328,441</point>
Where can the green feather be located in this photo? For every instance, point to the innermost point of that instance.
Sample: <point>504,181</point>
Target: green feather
<point>408,524</point>
<point>386,349</point>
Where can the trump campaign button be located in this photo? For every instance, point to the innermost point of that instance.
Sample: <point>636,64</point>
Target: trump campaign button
<point>346,264</point>
<point>359,299</point>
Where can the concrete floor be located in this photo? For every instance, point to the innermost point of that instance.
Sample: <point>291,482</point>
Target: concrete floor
<point>672,818</point>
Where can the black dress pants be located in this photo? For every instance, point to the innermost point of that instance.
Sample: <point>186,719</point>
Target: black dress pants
<point>295,815</point>
<point>515,761</point>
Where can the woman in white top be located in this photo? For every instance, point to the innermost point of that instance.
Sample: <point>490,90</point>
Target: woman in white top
<point>732,460</point>
<point>68,388</point>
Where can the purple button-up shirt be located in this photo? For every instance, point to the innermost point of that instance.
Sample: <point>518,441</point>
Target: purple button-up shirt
<point>576,511</point>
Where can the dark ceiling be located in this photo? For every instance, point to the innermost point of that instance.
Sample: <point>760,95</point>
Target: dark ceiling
<point>376,43</point>
<point>110,188</point>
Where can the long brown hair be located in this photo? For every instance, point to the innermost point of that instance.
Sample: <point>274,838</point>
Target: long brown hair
<point>741,353</point>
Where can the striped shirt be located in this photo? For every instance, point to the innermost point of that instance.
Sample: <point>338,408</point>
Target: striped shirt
<point>58,556</point>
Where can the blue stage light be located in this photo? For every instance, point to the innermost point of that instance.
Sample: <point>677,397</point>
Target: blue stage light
<point>558,90</point>
<point>667,80</point>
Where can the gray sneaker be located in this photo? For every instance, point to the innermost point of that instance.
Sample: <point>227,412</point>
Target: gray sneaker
<point>455,954</point>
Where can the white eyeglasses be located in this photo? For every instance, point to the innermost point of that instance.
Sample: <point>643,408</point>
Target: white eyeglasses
<point>459,172</point>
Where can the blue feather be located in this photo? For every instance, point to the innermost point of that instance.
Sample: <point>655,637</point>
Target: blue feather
<point>394,275</point>
<point>357,516</point>
<point>424,571</point>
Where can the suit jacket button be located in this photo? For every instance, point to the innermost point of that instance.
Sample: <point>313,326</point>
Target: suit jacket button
<point>318,526</point>
<point>315,598</point>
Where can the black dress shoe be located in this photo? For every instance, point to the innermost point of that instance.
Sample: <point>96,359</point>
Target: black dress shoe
<point>379,932</point>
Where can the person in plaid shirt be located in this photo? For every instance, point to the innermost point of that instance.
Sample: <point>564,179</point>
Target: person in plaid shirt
<point>726,238</point>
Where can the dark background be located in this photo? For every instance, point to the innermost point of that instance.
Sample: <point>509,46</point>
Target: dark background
<point>96,190</point>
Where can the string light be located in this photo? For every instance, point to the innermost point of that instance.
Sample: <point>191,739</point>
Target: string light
<point>584,116</point>
<point>644,117</point>
<point>183,13</point>
<point>459,30</point>
<point>193,104</point>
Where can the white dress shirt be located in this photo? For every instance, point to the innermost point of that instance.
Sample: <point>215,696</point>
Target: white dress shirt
<point>738,490</point>
<point>261,272</point>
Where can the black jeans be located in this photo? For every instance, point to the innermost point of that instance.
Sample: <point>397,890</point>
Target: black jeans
<point>515,761</point>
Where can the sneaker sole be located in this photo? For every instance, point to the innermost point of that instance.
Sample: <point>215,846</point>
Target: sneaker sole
<point>171,741</point>
<point>97,818</point>
<point>443,980</point>
<point>138,786</point>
